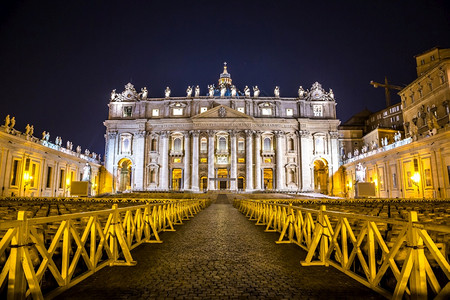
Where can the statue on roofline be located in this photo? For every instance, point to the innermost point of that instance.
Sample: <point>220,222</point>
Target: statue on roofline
<point>113,94</point>
<point>255,91</point>
<point>211,90</point>
<point>167,92</point>
<point>301,92</point>
<point>197,91</point>
<point>144,93</point>
<point>233,91</point>
<point>223,90</point>
<point>189,92</point>
<point>276,92</point>
<point>246,91</point>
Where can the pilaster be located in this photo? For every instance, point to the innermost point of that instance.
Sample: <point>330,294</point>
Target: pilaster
<point>249,160</point>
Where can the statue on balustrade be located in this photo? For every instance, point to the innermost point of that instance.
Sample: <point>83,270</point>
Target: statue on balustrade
<point>167,92</point>
<point>211,90</point>
<point>276,92</point>
<point>256,91</point>
<point>144,93</point>
<point>86,172</point>
<point>223,90</point>
<point>233,91</point>
<point>189,91</point>
<point>301,92</point>
<point>247,91</point>
<point>197,91</point>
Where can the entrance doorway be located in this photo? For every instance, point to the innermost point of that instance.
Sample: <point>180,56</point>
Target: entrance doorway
<point>241,183</point>
<point>203,183</point>
<point>321,176</point>
<point>222,173</point>
<point>176,179</point>
<point>124,176</point>
<point>268,179</point>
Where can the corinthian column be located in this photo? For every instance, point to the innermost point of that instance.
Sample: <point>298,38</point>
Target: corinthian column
<point>211,183</point>
<point>187,161</point>
<point>280,160</point>
<point>258,160</point>
<point>164,160</point>
<point>195,149</point>
<point>249,160</point>
<point>233,165</point>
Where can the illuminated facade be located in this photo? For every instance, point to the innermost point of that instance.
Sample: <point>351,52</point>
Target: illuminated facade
<point>415,164</point>
<point>34,167</point>
<point>224,140</point>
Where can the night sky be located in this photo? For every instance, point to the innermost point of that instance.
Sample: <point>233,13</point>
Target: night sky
<point>59,60</point>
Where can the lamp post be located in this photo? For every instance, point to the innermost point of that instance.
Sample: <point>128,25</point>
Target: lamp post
<point>416,180</point>
<point>27,178</point>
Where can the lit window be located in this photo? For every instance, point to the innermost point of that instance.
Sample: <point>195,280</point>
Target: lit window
<point>127,111</point>
<point>14,172</point>
<point>432,57</point>
<point>241,109</point>
<point>155,112</point>
<point>317,109</point>
<point>266,111</point>
<point>289,112</point>
<point>267,160</point>
<point>203,109</point>
<point>177,160</point>
<point>177,111</point>
<point>203,160</point>
<point>422,61</point>
<point>126,143</point>
<point>241,160</point>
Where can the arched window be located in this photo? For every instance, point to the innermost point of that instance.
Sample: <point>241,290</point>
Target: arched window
<point>126,143</point>
<point>222,144</point>
<point>177,144</point>
<point>241,144</point>
<point>267,143</point>
<point>203,145</point>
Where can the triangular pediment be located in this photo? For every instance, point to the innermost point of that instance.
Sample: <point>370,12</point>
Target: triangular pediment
<point>222,112</point>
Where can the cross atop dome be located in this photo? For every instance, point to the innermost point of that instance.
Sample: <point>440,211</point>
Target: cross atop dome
<point>225,77</point>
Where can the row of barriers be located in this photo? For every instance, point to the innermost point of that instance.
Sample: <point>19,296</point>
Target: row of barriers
<point>393,257</point>
<point>45,256</point>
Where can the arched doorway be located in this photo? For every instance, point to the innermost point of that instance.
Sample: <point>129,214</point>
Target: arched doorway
<point>222,173</point>
<point>203,183</point>
<point>176,179</point>
<point>124,175</point>
<point>321,176</point>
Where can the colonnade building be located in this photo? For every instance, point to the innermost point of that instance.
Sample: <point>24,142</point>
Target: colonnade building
<point>224,140</point>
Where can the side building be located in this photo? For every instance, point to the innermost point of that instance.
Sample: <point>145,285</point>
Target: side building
<point>224,140</point>
<point>34,167</point>
<point>416,163</point>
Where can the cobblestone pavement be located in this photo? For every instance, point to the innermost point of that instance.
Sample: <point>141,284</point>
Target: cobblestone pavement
<point>219,254</point>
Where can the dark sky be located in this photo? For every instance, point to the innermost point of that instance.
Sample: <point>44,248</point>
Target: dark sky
<point>59,60</point>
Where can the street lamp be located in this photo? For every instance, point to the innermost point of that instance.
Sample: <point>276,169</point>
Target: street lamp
<point>416,179</point>
<point>27,178</point>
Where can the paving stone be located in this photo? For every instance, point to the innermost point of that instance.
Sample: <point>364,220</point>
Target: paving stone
<point>219,254</point>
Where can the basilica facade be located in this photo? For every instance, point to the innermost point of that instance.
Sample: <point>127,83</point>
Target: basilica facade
<point>224,139</point>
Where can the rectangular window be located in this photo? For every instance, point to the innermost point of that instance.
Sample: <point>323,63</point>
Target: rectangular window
<point>203,160</point>
<point>428,178</point>
<point>177,111</point>
<point>49,177</point>
<point>408,178</point>
<point>422,61</point>
<point>155,112</point>
<point>61,178</point>
<point>266,111</point>
<point>448,174</point>
<point>267,160</point>
<point>432,57</point>
<point>394,180</point>
<point>241,109</point>
<point>177,160</point>
<point>289,112</point>
<point>241,160</point>
<point>33,175</point>
<point>127,111</point>
<point>203,109</point>
<point>318,111</point>
<point>15,168</point>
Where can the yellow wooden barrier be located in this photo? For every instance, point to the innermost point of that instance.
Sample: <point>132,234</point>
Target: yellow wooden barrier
<point>59,246</point>
<point>357,245</point>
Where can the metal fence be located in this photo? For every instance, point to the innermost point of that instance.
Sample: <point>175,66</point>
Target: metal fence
<point>393,257</point>
<point>45,256</point>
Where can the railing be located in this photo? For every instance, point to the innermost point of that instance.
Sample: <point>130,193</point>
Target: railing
<point>392,257</point>
<point>45,256</point>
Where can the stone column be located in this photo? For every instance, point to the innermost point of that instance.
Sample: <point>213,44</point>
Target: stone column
<point>110,161</point>
<point>249,160</point>
<point>280,160</point>
<point>258,160</point>
<point>306,147</point>
<point>233,164</point>
<point>211,183</point>
<point>195,158</point>
<point>187,161</point>
<point>139,160</point>
<point>164,184</point>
